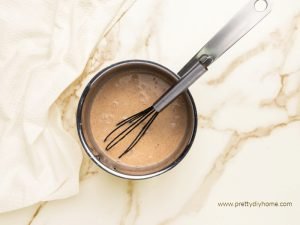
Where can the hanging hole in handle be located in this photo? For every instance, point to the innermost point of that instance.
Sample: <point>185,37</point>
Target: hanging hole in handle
<point>261,5</point>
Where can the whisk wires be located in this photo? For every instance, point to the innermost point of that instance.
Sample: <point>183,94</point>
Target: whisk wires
<point>148,116</point>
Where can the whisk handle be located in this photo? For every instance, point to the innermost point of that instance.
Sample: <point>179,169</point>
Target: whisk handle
<point>190,77</point>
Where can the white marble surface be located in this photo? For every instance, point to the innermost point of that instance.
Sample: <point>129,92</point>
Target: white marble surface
<point>247,145</point>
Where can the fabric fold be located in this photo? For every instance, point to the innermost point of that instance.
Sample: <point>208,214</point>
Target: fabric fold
<point>45,46</point>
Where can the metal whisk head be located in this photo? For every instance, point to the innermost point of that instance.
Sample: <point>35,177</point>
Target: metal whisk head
<point>146,116</point>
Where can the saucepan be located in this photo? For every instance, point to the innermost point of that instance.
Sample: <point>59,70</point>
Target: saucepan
<point>252,13</point>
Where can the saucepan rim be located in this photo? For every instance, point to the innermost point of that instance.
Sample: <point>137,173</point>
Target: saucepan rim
<point>84,141</point>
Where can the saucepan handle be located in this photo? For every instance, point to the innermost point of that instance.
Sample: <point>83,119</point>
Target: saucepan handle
<point>253,12</point>
<point>245,19</point>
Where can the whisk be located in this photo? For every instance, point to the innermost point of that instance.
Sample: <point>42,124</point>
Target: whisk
<point>234,30</point>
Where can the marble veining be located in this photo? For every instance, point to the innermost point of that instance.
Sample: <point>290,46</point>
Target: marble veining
<point>185,195</point>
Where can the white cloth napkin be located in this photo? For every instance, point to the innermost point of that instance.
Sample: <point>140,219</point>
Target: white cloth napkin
<point>44,46</point>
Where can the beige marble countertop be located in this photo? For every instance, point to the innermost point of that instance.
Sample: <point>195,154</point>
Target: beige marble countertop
<point>247,147</point>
